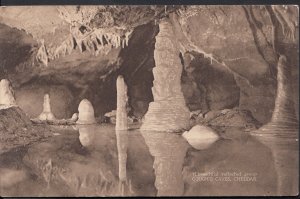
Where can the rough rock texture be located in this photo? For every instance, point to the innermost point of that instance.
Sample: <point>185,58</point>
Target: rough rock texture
<point>30,100</point>
<point>229,120</point>
<point>121,115</point>
<point>244,40</point>
<point>207,86</point>
<point>168,112</point>
<point>47,113</point>
<point>168,151</point>
<point>86,113</point>
<point>7,98</point>
<point>17,130</point>
<point>222,32</point>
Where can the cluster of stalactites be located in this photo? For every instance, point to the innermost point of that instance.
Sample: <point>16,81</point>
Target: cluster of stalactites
<point>99,41</point>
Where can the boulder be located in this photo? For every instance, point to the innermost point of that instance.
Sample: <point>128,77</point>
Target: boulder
<point>200,137</point>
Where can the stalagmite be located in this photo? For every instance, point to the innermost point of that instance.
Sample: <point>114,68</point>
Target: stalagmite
<point>74,117</point>
<point>7,98</point>
<point>86,113</point>
<point>121,123</point>
<point>169,151</point>
<point>168,112</point>
<point>46,114</point>
<point>284,116</point>
<point>281,133</point>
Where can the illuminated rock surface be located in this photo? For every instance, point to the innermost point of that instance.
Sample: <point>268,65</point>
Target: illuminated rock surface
<point>121,116</point>
<point>86,113</point>
<point>168,111</point>
<point>200,137</point>
<point>7,98</point>
<point>47,113</point>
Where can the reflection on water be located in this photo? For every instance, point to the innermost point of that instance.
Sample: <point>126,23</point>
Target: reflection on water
<point>285,151</point>
<point>96,160</point>
<point>168,151</point>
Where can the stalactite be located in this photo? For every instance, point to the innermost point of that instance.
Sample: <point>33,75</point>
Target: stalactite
<point>47,113</point>
<point>121,123</point>
<point>168,112</point>
<point>7,98</point>
<point>42,55</point>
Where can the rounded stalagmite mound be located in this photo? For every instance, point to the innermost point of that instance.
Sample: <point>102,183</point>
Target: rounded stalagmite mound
<point>86,113</point>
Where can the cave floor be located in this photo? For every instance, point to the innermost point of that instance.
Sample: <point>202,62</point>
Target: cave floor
<point>90,160</point>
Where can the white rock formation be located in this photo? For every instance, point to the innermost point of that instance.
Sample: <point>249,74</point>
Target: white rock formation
<point>200,137</point>
<point>47,113</point>
<point>121,123</point>
<point>168,112</point>
<point>7,98</point>
<point>86,113</point>
<point>74,117</point>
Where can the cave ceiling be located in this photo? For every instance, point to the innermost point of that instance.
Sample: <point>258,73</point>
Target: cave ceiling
<point>44,41</point>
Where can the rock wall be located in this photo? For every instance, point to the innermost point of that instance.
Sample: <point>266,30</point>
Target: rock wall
<point>168,112</point>
<point>208,86</point>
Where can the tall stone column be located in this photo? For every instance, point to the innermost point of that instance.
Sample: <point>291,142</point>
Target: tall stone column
<point>284,116</point>
<point>168,111</point>
<point>281,133</point>
<point>121,117</point>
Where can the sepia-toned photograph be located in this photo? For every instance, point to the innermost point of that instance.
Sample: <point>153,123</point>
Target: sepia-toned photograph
<point>149,100</point>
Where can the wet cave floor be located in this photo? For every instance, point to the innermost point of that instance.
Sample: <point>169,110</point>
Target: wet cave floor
<point>95,160</point>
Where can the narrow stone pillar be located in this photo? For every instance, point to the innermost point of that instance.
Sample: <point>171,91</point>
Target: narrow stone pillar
<point>47,113</point>
<point>284,116</point>
<point>86,113</point>
<point>168,111</point>
<point>7,98</point>
<point>121,117</point>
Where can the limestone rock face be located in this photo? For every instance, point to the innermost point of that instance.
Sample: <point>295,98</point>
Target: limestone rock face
<point>7,98</point>
<point>86,113</point>
<point>200,137</point>
<point>168,112</point>
<point>47,113</point>
<point>121,123</point>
